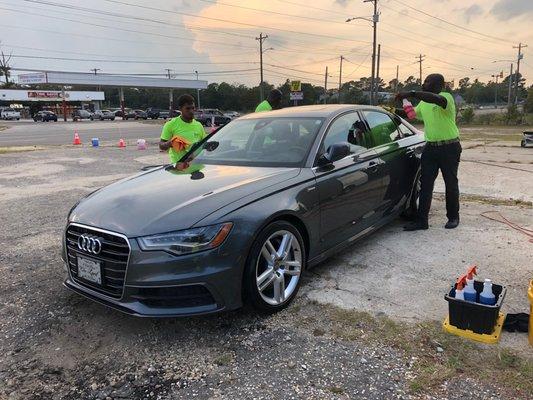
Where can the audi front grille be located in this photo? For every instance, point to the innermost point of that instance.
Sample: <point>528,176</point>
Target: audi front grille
<point>113,252</point>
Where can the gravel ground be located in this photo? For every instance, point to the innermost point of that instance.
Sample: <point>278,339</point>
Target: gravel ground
<point>57,345</point>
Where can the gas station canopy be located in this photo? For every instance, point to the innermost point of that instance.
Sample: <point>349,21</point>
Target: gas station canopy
<point>81,78</point>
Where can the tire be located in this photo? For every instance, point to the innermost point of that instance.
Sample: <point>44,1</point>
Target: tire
<point>280,282</point>
<point>411,209</point>
<point>91,118</point>
<point>112,119</point>
<point>523,143</point>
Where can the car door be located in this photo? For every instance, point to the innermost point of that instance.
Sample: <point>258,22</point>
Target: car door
<point>350,188</point>
<point>387,141</point>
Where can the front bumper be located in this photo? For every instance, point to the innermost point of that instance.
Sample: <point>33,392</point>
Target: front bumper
<point>158,284</point>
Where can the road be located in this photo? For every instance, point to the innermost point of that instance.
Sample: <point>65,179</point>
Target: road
<point>29,133</point>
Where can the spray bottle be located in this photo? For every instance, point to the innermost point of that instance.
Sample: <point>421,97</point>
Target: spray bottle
<point>470,292</point>
<point>409,109</point>
<point>459,287</point>
<point>486,296</point>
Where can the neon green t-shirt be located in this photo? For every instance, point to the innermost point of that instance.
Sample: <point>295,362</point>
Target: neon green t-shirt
<point>263,106</point>
<point>192,132</point>
<point>439,123</point>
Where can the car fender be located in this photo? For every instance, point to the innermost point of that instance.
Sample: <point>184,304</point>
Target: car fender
<point>295,199</point>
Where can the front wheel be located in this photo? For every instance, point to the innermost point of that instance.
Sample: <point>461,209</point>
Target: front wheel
<point>523,143</point>
<point>411,209</point>
<point>274,267</point>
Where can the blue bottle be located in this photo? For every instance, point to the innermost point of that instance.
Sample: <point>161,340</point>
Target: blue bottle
<point>470,291</point>
<point>486,296</point>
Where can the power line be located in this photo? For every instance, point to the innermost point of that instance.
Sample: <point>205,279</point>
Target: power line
<point>451,23</point>
<point>223,20</point>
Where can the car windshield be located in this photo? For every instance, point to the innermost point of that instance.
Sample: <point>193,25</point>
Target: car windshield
<point>266,142</point>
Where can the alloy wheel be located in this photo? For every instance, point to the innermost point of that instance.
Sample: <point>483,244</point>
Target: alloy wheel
<point>278,267</point>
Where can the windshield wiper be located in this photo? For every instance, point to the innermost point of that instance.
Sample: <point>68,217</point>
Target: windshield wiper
<point>198,145</point>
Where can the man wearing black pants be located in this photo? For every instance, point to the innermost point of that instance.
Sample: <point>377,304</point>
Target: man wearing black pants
<point>443,149</point>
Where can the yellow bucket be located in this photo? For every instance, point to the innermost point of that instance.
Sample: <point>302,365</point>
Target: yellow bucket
<point>530,295</point>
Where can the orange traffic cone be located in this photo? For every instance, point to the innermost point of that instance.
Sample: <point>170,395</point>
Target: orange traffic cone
<point>121,143</point>
<point>77,139</point>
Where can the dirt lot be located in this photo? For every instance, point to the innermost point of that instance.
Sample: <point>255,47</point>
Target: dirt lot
<point>366,323</point>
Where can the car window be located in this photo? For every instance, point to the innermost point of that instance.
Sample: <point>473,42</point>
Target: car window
<point>282,142</point>
<point>347,128</point>
<point>405,131</point>
<point>383,130</point>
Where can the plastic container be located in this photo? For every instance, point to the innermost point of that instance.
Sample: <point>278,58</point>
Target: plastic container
<point>530,295</point>
<point>476,317</point>
<point>141,144</point>
<point>95,141</point>
<point>487,296</point>
<point>409,109</point>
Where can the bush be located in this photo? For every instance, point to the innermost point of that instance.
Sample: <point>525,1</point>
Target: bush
<point>467,115</point>
<point>528,106</point>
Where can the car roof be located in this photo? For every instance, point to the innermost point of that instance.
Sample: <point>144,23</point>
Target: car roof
<point>314,111</point>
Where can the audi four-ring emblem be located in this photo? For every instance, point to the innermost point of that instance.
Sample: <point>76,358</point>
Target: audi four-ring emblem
<point>90,244</point>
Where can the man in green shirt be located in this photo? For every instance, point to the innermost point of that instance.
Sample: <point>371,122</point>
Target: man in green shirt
<point>180,133</point>
<point>442,151</point>
<point>273,101</point>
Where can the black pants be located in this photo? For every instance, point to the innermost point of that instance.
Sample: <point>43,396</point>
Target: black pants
<point>446,158</point>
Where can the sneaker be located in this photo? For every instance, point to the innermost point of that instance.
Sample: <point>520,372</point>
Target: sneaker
<point>452,223</point>
<point>416,226</point>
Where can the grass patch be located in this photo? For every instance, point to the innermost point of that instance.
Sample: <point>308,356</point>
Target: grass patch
<point>431,368</point>
<point>18,149</point>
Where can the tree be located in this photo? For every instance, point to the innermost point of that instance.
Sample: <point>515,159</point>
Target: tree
<point>528,106</point>
<point>4,67</point>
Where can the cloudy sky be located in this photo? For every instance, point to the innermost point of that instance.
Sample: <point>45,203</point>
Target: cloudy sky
<point>218,38</point>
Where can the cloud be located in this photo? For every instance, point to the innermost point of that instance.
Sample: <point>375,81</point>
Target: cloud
<point>471,12</point>
<point>508,9</point>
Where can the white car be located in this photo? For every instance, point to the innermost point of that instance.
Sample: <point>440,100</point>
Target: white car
<point>232,114</point>
<point>9,113</point>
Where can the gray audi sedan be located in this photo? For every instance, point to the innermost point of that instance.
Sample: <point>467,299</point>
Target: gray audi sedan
<point>268,196</point>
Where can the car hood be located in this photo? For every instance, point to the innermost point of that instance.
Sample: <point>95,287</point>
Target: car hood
<point>165,200</point>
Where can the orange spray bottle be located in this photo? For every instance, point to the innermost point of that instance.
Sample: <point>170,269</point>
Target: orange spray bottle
<point>459,287</point>
<point>470,291</point>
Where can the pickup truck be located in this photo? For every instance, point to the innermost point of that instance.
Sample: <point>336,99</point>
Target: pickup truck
<point>9,113</point>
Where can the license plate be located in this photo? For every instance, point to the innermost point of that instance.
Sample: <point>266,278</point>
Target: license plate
<point>89,270</point>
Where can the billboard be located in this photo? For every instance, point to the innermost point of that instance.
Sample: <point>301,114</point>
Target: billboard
<point>49,95</point>
<point>28,79</point>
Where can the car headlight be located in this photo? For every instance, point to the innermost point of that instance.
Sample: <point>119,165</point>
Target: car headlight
<point>187,241</point>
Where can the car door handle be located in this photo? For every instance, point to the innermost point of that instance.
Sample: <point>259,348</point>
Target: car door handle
<point>373,166</point>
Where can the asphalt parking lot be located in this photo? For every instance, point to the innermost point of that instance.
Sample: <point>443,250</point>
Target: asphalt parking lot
<point>29,133</point>
<point>366,323</point>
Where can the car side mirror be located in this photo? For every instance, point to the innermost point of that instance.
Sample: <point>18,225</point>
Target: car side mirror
<point>335,152</point>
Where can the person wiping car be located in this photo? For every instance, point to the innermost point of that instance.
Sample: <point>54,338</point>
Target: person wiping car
<point>442,151</point>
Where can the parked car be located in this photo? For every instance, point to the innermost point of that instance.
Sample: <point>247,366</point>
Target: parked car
<point>153,113</point>
<point>45,116</point>
<point>128,111</point>
<point>81,114</point>
<point>10,113</point>
<point>174,113</point>
<point>210,117</point>
<point>232,114</point>
<point>103,114</point>
<point>267,197</point>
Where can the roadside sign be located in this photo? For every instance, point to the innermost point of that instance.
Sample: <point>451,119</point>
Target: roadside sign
<point>296,86</point>
<point>39,77</point>
<point>296,95</point>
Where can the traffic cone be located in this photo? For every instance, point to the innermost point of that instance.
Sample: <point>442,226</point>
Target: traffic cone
<point>77,139</point>
<point>121,143</point>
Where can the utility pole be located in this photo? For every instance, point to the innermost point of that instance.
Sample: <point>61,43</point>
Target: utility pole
<point>340,79</point>
<point>496,76</point>
<point>97,87</point>
<point>168,72</point>
<point>261,39</point>
<point>197,91</point>
<point>510,94</point>
<point>420,59</point>
<point>375,20</point>
<point>520,56</point>
<point>326,85</point>
<point>95,70</point>
<point>397,77</point>
<point>377,73</point>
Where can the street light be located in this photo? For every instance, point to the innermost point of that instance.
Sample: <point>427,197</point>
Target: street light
<point>509,95</point>
<point>374,19</point>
